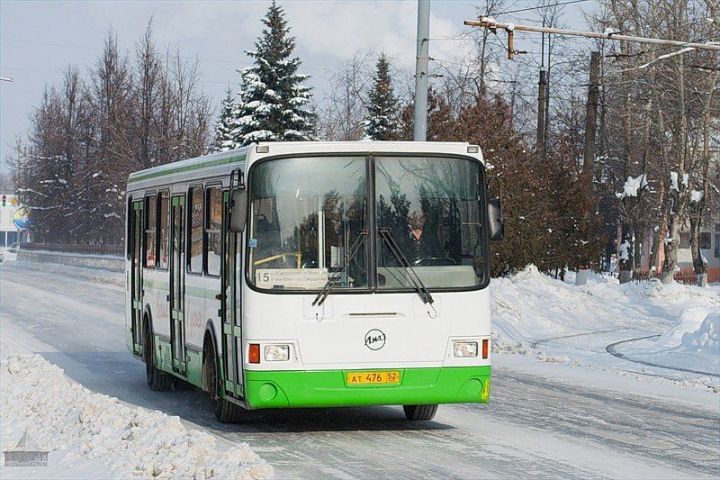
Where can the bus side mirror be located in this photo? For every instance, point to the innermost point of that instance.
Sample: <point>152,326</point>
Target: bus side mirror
<point>238,210</point>
<point>495,222</point>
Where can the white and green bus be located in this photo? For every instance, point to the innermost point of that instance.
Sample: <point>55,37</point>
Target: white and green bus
<point>309,274</point>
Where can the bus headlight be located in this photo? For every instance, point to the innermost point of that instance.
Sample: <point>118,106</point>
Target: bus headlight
<point>277,353</point>
<point>465,349</point>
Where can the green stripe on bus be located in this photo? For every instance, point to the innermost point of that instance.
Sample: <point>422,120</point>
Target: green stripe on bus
<point>328,388</point>
<point>159,284</point>
<point>191,291</point>
<point>196,166</point>
<point>201,292</point>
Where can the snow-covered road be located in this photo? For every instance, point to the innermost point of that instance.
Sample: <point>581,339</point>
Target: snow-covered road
<point>533,427</point>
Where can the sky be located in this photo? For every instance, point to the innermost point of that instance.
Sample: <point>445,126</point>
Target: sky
<point>39,39</point>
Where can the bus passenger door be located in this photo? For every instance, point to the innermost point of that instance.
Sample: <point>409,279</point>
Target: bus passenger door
<point>177,283</point>
<point>136,290</point>
<point>231,307</point>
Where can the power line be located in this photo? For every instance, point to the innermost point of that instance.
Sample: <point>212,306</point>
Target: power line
<point>540,7</point>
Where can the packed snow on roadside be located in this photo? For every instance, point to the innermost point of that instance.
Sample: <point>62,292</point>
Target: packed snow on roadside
<point>556,322</point>
<point>693,343</point>
<point>90,435</point>
<point>706,338</point>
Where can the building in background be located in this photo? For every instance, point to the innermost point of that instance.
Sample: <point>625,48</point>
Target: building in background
<point>709,248</point>
<point>685,272</point>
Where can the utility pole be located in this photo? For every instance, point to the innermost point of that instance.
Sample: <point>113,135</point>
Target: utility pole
<point>542,104</point>
<point>591,110</point>
<point>542,93</point>
<point>421,71</point>
<point>547,96</point>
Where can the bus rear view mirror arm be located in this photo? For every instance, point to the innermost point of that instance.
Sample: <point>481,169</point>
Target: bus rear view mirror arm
<point>495,222</point>
<point>238,210</point>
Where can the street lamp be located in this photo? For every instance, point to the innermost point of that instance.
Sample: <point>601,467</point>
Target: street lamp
<point>6,79</point>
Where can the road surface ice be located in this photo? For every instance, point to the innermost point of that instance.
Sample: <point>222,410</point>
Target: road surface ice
<point>593,416</point>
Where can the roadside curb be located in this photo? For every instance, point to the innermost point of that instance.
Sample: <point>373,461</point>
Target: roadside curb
<point>102,262</point>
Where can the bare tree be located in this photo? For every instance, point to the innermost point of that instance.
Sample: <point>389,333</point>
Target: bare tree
<point>88,136</point>
<point>342,116</point>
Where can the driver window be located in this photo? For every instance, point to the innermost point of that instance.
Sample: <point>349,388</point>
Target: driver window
<point>305,215</point>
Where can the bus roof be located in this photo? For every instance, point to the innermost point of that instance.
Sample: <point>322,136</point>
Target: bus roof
<point>197,163</point>
<point>215,162</point>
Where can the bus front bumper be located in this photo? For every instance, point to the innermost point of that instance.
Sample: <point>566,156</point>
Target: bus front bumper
<point>330,388</point>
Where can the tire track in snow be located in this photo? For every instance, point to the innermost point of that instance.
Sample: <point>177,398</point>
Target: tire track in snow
<point>612,350</point>
<point>545,340</point>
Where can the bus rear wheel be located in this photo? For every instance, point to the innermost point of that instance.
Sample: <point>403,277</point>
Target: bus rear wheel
<point>420,412</point>
<point>225,411</point>
<point>157,380</point>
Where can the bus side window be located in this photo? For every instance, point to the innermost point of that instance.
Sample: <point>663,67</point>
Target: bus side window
<point>129,228</point>
<point>162,260</point>
<point>149,245</point>
<point>213,230</point>
<point>196,231</point>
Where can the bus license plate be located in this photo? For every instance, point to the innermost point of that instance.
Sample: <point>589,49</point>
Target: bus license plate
<point>373,378</point>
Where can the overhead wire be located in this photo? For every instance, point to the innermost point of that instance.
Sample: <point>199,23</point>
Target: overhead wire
<point>540,7</point>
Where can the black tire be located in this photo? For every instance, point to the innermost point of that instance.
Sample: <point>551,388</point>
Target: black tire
<point>420,412</point>
<point>157,380</point>
<point>225,411</point>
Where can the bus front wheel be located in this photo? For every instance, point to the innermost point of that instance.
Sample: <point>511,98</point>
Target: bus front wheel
<point>225,411</point>
<point>420,412</point>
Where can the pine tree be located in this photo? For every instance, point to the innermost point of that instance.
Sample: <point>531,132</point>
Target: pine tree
<point>224,138</point>
<point>273,101</point>
<point>382,121</point>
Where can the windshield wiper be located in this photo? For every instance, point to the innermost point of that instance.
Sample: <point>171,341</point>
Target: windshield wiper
<point>414,278</point>
<point>332,280</point>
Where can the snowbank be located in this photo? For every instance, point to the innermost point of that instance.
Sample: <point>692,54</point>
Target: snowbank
<point>530,307</point>
<point>80,427</point>
<point>689,324</point>
<point>558,322</point>
<point>705,339</point>
<point>693,343</point>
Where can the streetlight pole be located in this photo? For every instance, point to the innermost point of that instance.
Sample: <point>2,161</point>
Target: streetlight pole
<point>421,71</point>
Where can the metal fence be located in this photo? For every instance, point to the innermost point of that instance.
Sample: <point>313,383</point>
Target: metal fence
<point>116,250</point>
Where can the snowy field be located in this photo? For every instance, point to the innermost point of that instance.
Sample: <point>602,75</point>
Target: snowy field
<point>569,397</point>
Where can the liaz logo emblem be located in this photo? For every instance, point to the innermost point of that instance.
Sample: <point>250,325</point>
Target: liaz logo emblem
<point>375,339</point>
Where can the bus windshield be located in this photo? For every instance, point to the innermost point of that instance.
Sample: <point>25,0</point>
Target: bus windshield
<point>306,213</point>
<point>431,208</point>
